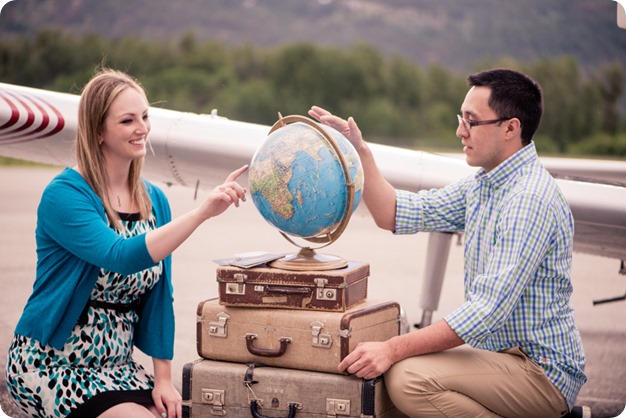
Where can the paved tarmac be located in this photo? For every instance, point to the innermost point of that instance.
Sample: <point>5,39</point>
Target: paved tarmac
<point>396,264</point>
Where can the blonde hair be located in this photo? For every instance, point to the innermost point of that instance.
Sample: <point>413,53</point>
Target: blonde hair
<point>96,98</point>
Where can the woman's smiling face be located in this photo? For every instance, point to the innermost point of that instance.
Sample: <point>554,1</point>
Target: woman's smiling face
<point>126,126</point>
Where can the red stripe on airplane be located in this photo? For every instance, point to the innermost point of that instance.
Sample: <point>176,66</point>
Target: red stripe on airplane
<point>15,113</point>
<point>30,119</point>
<point>60,122</point>
<point>45,121</point>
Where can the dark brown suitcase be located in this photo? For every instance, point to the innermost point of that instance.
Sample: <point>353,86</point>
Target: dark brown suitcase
<point>266,287</point>
<point>219,388</point>
<point>297,339</point>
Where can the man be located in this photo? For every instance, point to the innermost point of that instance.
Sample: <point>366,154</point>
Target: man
<point>512,349</point>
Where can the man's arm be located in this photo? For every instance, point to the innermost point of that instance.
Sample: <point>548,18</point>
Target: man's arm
<point>371,359</point>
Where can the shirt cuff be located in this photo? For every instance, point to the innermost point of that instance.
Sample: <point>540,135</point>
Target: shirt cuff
<point>467,322</point>
<point>407,213</point>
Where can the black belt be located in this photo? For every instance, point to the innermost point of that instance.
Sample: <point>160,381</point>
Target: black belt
<point>117,307</point>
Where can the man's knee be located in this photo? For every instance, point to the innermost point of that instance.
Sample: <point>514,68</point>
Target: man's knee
<point>409,390</point>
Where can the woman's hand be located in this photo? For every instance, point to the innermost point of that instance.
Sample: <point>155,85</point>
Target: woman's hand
<point>167,400</point>
<point>228,193</point>
<point>162,241</point>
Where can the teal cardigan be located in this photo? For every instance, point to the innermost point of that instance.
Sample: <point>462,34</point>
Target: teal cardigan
<point>74,241</point>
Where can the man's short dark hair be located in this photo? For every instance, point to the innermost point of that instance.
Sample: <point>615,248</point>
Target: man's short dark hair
<point>513,95</point>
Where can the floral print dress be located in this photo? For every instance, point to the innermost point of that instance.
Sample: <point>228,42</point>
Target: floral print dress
<point>96,358</point>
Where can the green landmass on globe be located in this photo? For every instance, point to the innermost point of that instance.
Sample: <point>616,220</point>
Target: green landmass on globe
<point>298,183</point>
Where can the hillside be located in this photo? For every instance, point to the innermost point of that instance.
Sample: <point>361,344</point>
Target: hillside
<point>428,31</point>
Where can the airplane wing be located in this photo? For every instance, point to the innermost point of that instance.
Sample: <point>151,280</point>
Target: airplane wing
<point>198,151</point>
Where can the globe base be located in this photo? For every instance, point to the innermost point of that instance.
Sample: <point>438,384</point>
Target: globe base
<point>308,259</point>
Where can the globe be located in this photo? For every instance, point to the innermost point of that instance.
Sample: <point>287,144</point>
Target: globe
<point>306,179</point>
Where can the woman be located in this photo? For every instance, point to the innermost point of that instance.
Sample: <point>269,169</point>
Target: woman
<point>104,238</point>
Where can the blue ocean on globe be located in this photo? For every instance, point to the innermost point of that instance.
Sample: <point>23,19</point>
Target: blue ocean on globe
<point>297,181</point>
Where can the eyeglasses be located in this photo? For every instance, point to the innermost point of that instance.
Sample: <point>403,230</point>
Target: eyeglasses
<point>469,124</point>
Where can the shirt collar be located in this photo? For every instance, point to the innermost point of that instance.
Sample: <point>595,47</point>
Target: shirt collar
<point>499,175</point>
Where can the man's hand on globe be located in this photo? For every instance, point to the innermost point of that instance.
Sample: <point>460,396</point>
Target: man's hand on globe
<point>348,128</point>
<point>302,176</point>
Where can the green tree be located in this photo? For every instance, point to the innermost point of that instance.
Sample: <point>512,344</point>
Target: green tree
<point>562,88</point>
<point>610,81</point>
<point>396,100</point>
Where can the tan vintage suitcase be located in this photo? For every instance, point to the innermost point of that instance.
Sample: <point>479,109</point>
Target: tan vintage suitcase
<point>219,388</point>
<point>298,339</point>
<point>266,287</point>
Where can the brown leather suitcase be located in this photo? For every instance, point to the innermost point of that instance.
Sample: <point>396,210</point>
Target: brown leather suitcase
<point>298,339</point>
<point>219,388</point>
<point>266,287</point>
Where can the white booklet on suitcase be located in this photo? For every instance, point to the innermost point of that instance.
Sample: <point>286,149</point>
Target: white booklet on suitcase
<point>249,260</point>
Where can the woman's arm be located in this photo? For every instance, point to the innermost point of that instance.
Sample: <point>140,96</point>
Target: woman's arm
<point>166,398</point>
<point>162,241</point>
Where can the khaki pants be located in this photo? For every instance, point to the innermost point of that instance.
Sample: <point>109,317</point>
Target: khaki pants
<point>467,382</point>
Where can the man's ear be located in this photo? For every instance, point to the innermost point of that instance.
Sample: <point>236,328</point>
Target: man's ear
<point>513,127</point>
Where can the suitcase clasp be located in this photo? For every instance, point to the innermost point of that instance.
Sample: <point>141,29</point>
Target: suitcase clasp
<point>238,287</point>
<point>323,293</point>
<point>319,339</point>
<point>214,397</point>
<point>337,407</point>
<point>219,328</point>
<point>240,277</point>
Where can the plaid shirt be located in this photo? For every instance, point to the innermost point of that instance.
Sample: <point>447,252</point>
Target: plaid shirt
<point>518,252</point>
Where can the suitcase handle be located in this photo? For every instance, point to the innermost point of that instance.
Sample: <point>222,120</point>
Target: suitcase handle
<point>289,290</point>
<point>255,414</point>
<point>265,352</point>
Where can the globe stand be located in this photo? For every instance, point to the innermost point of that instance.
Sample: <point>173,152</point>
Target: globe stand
<point>307,258</point>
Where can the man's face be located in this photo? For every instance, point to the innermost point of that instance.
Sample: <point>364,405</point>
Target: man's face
<point>484,145</point>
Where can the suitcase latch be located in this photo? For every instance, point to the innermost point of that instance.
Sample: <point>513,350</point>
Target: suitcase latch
<point>323,293</point>
<point>240,277</point>
<point>337,407</point>
<point>219,328</point>
<point>214,397</point>
<point>238,287</point>
<point>319,339</point>
<point>235,288</point>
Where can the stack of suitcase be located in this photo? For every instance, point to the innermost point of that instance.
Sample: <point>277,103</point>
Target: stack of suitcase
<point>271,343</point>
